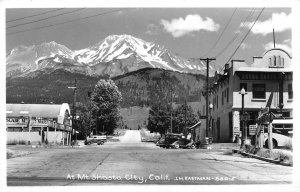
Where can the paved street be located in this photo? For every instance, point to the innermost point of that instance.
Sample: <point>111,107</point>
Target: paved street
<point>133,162</point>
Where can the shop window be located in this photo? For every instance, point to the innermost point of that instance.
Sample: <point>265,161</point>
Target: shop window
<point>290,91</point>
<point>259,91</point>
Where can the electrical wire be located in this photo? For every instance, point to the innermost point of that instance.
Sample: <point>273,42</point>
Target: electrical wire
<point>45,18</point>
<point>216,42</point>
<point>246,34</point>
<point>73,20</point>
<point>43,13</point>
<point>243,26</point>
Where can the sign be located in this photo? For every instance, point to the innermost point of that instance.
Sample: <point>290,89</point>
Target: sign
<point>236,130</point>
<point>262,112</point>
<point>202,117</point>
<point>252,129</point>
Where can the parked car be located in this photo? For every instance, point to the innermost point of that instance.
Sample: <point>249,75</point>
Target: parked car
<point>184,143</point>
<point>171,139</point>
<point>161,142</point>
<point>279,140</point>
<point>99,139</point>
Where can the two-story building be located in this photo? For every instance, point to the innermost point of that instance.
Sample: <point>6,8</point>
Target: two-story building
<point>38,123</point>
<point>269,79</point>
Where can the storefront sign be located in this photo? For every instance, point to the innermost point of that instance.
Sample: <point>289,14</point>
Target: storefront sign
<point>252,129</point>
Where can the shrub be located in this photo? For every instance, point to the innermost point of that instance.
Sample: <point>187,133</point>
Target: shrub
<point>16,142</point>
<point>288,145</point>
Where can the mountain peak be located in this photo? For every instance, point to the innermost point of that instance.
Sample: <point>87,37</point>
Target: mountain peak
<point>114,55</point>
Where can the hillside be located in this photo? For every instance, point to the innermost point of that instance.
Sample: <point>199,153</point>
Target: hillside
<point>139,88</point>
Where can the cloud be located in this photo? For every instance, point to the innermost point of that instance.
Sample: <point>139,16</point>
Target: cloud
<point>244,46</point>
<point>284,46</point>
<point>152,29</point>
<point>279,21</point>
<point>180,27</point>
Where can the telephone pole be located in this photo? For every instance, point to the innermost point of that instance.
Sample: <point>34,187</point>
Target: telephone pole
<point>74,107</point>
<point>207,60</point>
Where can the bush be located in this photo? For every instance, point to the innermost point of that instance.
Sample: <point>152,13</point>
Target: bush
<point>288,145</point>
<point>16,142</point>
<point>276,154</point>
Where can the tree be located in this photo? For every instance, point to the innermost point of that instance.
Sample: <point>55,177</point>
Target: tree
<point>159,119</point>
<point>105,101</point>
<point>179,121</point>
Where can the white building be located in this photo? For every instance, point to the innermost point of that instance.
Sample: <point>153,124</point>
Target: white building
<point>268,79</point>
<point>38,123</point>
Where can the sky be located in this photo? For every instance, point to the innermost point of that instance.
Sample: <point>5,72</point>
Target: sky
<point>188,32</point>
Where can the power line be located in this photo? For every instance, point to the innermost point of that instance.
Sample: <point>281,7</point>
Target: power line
<point>33,15</point>
<point>246,35</point>
<point>73,20</point>
<point>237,34</point>
<point>44,18</point>
<point>216,42</point>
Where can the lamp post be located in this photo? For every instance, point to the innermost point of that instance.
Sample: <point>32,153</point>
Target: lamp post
<point>243,93</point>
<point>210,123</point>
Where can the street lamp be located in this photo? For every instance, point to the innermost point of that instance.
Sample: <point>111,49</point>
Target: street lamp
<point>210,122</point>
<point>243,93</point>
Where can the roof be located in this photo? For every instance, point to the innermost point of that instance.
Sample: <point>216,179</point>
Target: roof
<point>36,110</point>
<point>258,69</point>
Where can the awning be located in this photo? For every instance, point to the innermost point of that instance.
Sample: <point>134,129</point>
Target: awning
<point>282,121</point>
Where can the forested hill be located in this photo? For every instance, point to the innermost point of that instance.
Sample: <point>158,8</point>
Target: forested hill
<point>138,88</point>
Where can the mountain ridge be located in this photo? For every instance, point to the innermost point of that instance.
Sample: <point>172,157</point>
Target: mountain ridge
<point>115,55</point>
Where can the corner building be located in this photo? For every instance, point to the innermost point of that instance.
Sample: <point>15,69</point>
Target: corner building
<point>269,79</point>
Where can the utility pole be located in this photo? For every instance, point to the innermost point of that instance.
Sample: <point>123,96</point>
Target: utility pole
<point>207,60</point>
<point>171,108</point>
<point>185,118</point>
<point>74,106</point>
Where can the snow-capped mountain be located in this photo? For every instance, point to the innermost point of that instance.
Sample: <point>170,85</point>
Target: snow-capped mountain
<point>113,56</point>
<point>23,59</point>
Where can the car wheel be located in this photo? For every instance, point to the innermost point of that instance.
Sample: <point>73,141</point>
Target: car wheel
<point>275,144</point>
<point>193,146</point>
<point>176,145</point>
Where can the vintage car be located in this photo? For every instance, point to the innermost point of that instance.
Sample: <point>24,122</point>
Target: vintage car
<point>99,139</point>
<point>279,140</point>
<point>184,143</point>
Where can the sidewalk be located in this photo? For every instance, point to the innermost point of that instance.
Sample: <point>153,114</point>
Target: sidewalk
<point>225,146</point>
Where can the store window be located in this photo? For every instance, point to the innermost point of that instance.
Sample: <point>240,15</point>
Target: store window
<point>290,91</point>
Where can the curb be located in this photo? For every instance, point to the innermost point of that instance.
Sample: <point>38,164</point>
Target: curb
<point>278,162</point>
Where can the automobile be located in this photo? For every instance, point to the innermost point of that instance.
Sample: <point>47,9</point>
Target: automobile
<point>161,142</point>
<point>184,143</point>
<point>171,139</point>
<point>279,140</point>
<point>99,139</point>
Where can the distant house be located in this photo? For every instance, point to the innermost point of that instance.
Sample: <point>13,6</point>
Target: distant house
<point>269,79</point>
<point>38,123</point>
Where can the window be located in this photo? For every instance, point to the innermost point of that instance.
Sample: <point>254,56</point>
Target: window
<point>259,91</point>
<point>222,97</point>
<point>227,94</point>
<point>290,91</point>
<point>243,85</point>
